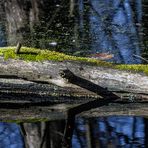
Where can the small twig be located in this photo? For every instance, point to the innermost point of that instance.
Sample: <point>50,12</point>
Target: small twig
<point>137,56</point>
<point>18,47</point>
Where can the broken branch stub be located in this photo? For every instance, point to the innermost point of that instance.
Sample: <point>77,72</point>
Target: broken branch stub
<point>18,47</point>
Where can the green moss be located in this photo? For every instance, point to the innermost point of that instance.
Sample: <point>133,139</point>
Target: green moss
<point>133,67</point>
<point>34,54</point>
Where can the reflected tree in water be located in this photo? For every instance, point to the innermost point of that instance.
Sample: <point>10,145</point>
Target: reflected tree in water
<point>100,132</point>
<point>81,27</point>
<point>111,26</point>
<point>107,132</point>
<point>36,23</point>
<point>43,134</point>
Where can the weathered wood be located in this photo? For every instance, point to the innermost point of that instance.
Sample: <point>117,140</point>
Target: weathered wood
<point>49,72</point>
<point>37,87</point>
<point>14,74</point>
<point>58,112</point>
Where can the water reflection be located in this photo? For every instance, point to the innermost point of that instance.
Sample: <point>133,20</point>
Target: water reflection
<point>106,132</point>
<point>10,136</point>
<point>112,26</point>
<point>103,132</point>
<point>81,28</point>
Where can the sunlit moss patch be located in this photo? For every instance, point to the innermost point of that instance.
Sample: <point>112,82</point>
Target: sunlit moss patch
<point>34,54</point>
<point>134,67</point>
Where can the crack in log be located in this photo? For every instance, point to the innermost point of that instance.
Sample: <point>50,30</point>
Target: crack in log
<point>23,78</point>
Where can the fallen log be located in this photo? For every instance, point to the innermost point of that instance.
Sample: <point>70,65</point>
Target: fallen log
<point>45,85</point>
<point>49,72</point>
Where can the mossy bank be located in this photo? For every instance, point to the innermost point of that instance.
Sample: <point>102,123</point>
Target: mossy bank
<point>34,54</point>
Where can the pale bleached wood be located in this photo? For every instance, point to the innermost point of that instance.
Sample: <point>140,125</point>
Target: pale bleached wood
<point>27,84</point>
<point>48,72</point>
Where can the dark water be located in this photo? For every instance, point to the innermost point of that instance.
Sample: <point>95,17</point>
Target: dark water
<point>117,27</point>
<point>103,132</point>
<point>81,27</point>
<point>115,131</point>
